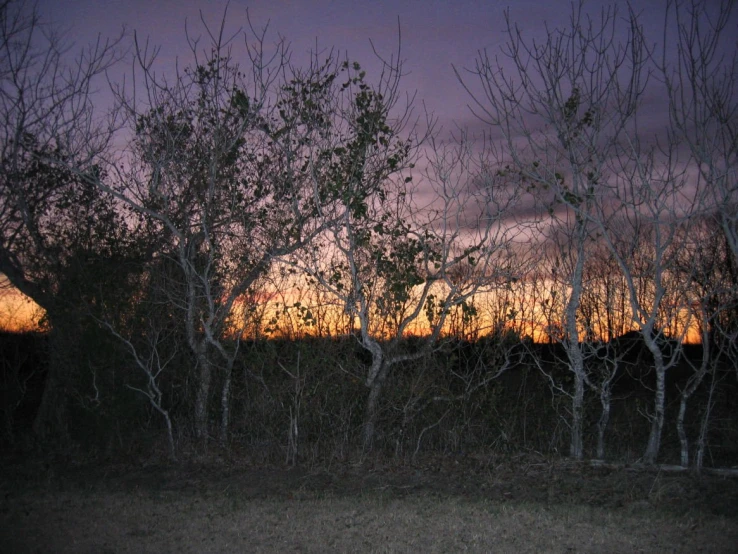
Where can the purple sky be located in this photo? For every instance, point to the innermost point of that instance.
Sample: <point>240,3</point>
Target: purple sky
<point>435,33</point>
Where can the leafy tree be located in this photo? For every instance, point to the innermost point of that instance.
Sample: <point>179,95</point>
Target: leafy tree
<point>232,167</point>
<point>52,224</point>
<point>398,267</point>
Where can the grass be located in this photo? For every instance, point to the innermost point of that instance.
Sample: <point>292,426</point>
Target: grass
<point>358,509</point>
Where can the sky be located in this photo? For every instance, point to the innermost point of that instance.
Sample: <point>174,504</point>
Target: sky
<point>436,34</point>
<point>436,37</point>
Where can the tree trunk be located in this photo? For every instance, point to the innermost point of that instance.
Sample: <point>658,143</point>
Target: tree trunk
<point>576,445</point>
<point>51,422</point>
<point>574,348</point>
<point>154,397</point>
<point>683,440</point>
<point>225,405</point>
<point>657,421</point>
<point>372,405</point>
<point>693,383</point>
<point>201,400</point>
<point>705,424</point>
<point>170,437</point>
<point>602,423</point>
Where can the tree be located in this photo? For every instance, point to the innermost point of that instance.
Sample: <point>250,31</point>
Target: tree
<point>62,241</point>
<point>701,87</point>
<point>605,317</point>
<point>150,335</point>
<point>233,167</point>
<point>46,114</point>
<point>707,265</point>
<point>561,106</point>
<point>395,264</point>
<point>50,221</point>
<point>701,80</point>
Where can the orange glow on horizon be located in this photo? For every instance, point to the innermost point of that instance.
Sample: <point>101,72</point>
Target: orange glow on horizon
<point>18,313</point>
<point>297,312</point>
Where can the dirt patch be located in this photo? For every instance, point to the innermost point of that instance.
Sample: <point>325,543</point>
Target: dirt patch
<point>442,505</point>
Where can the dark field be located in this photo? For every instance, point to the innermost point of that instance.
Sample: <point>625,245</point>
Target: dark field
<point>472,505</point>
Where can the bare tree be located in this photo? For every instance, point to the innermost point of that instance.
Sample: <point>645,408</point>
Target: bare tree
<point>701,81</point>
<point>707,265</point>
<point>701,86</point>
<point>561,105</point>
<point>605,317</point>
<point>153,349</point>
<point>645,230</point>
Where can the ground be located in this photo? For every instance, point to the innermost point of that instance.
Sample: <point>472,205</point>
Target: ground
<point>522,504</point>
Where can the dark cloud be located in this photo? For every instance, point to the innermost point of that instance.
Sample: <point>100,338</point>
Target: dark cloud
<point>437,35</point>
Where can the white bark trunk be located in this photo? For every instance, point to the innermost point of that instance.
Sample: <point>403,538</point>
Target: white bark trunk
<point>705,424</point>
<point>605,401</point>
<point>576,445</point>
<point>372,405</point>
<point>683,440</point>
<point>657,420</point>
<point>201,400</point>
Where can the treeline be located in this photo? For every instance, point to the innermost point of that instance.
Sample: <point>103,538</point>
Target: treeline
<point>303,402</point>
<point>178,234</point>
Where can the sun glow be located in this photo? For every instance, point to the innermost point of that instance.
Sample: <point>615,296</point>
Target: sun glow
<point>293,310</point>
<point>18,313</point>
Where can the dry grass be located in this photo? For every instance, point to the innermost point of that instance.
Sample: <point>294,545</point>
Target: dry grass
<point>201,509</point>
